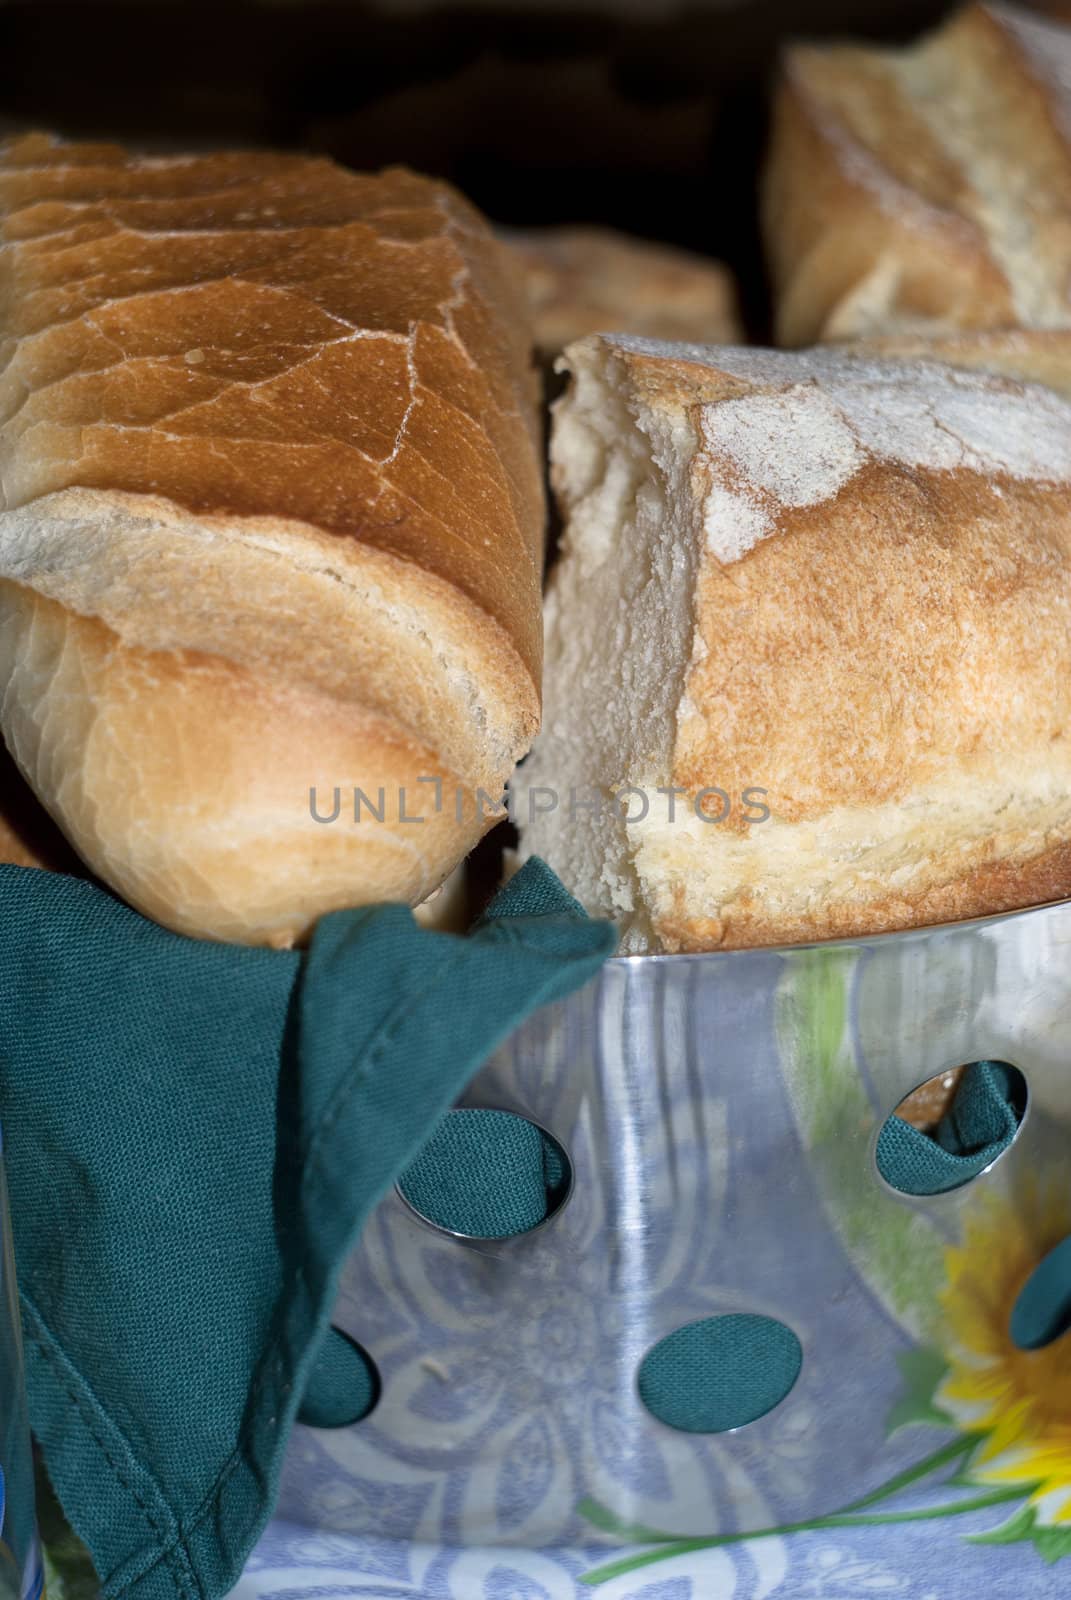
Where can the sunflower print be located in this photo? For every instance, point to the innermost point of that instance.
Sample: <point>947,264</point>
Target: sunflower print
<point>1018,1402</point>
<point>1010,1407</point>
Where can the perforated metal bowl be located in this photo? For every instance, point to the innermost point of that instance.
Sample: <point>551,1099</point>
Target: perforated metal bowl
<point>721,1114</point>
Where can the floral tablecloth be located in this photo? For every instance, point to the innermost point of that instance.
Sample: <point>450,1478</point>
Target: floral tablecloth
<point>928,1560</point>
<point>983,1513</point>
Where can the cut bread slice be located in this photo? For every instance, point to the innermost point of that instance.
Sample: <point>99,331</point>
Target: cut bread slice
<point>812,629</point>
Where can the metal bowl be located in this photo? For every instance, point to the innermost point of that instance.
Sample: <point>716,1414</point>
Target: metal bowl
<point>720,1113</point>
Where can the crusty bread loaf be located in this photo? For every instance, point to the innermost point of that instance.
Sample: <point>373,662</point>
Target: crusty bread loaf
<point>1037,355</point>
<point>828,587</point>
<point>595,280</point>
<point>932,1100</point>
<point>272,523</point>
<point>29,838</point>
<point>926,189</point>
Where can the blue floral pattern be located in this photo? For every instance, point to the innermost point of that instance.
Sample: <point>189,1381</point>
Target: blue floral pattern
<point>908,1563</point>
<point>518,1386</point>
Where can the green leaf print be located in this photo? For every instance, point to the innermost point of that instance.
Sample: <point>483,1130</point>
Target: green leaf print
<point>1051,1544</point>
<point>922,1371</point>
<point>892,1246</point>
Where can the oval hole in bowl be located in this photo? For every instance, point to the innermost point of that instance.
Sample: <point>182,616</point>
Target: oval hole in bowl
<point>952,1128</point>
<point>720,1373</point>
<point>344,1384</point>
<point>488,1174</point>
<point>1042,1311</point>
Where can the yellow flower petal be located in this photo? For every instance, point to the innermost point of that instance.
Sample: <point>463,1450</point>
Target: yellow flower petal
<point>1017,1401</point>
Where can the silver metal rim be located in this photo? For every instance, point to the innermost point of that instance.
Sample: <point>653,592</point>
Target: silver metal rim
<point>847,943</point>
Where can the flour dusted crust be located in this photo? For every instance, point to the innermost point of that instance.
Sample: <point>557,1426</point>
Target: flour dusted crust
<point>924,190</point>
<point>272,519</point>
<point>843,581</point>
<point>1037,355</point>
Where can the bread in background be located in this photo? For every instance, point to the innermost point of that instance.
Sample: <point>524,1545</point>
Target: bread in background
<point>927,189</point>
<point>446,909</point>
<point>273,524</point>
<point>1035,355</point>
<point>28,836</point>
<point>595,280</point>
<point>833,588</point>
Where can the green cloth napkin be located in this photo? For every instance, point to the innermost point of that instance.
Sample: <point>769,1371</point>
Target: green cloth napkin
<point>487,1174</point>
<point>979,1125</point>
<point>195,1134</point>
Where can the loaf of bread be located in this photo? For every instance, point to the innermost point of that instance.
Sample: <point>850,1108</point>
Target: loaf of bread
<point>927,189</point>
<point>29,838</point>
<point>808,645</point>
<point>595,280</point>
<point>271,528</point>
<point>1037,355</point>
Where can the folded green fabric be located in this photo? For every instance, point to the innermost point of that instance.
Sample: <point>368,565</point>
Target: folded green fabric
<point>487,1174</point>
<point>195,1134</point>
<point>980,1123</point>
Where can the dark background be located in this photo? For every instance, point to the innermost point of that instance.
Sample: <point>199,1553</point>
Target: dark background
<point>649,124</point>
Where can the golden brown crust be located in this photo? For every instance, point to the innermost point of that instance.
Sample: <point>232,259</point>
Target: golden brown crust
<point>272,335</point>
<point>1035,355</point>
<point>840,234</point>
<point>270,432</point>
<point>922,189</point>
<point>984,891</point>
<point>869,633</point>
<point>927,1104</point>
<point>278,836</point>
<point>592,280</point>
<point>902,624</point>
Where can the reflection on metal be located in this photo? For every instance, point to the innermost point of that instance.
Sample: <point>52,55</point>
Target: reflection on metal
<point>720,1113</point>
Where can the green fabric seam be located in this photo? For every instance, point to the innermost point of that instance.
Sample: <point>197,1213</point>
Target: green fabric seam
<point>298,1274</point>
<point>360,1071</point>
<point>98,1426</point>
<point>496,932</point>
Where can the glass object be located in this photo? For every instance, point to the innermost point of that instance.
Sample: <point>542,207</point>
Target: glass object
<point>21,1576</point>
